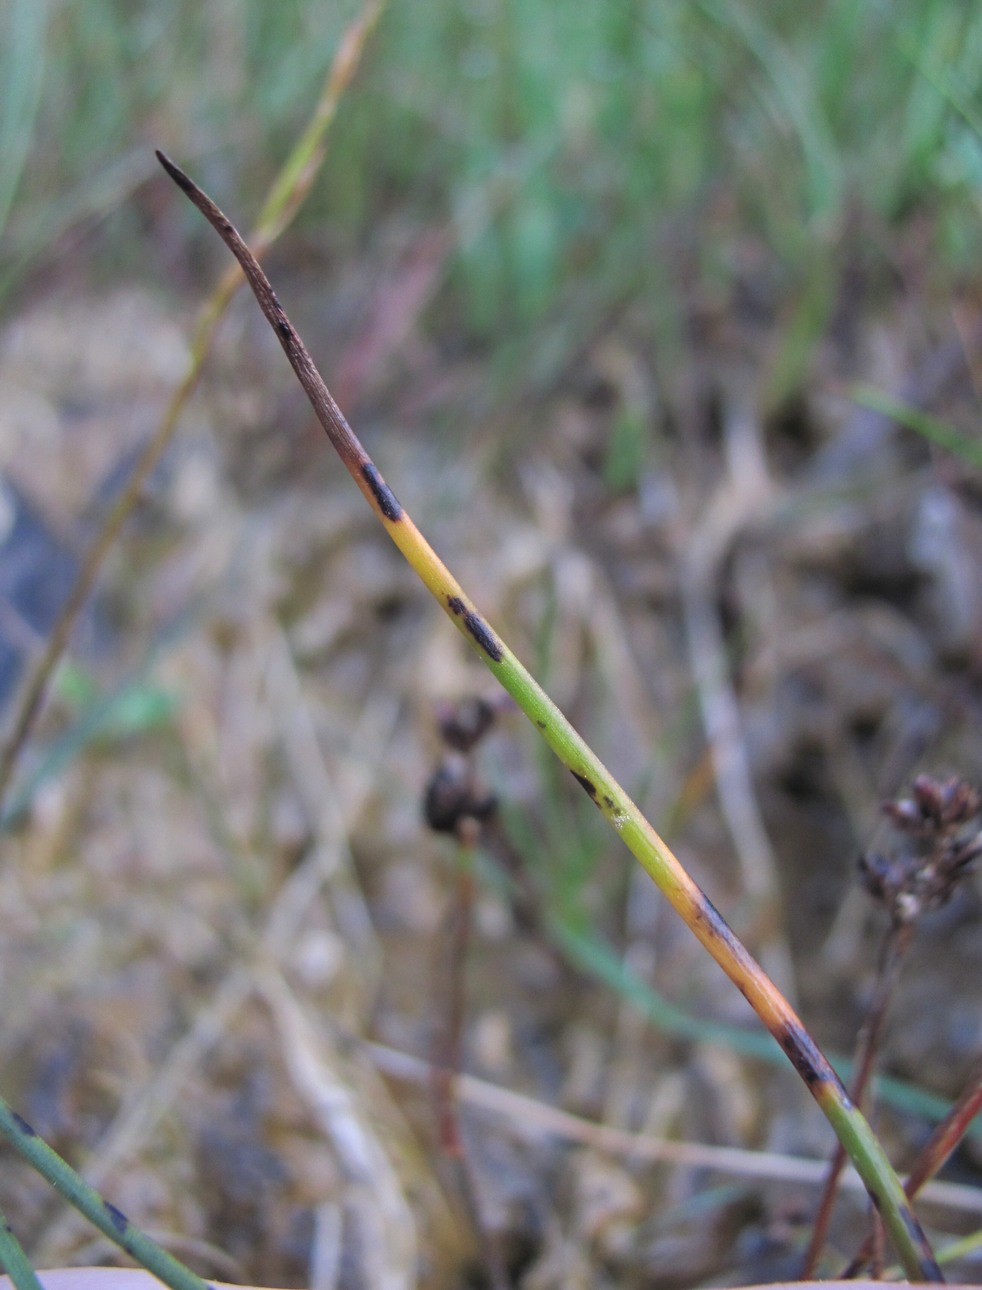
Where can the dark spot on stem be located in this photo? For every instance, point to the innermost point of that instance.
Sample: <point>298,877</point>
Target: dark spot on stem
<point>710,917</point>
<point>713,921</point>
<point>385,498</point>
<point>804,1055</point>
<point>478,628</point>
<point>284,328</point>
<point>542,725</point>
<point>482,633</point>
<point>116,1216</point>
<point>23,1126</point>
<point>929,1264</point>
<point>586,784</point>
<point>608,802</point>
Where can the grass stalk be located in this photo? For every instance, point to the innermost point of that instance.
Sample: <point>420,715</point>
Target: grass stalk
<point>690,902</point>
<point>593,956</point>
<point>14,1261</point>
<point>942,1142</point>
<point>947,1135</point>
<point>894,949</point>
<point>111,1221</point>
<point>21,76</point>
<point>452,978</point>
<point>928,427</point>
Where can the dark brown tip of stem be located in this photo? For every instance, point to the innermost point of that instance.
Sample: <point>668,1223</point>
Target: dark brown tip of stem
<point>175,172</point>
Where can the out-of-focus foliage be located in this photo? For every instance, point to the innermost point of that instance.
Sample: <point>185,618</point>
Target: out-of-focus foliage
<point>562,143</point>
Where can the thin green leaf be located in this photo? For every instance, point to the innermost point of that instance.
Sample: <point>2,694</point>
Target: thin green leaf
<point>929,427</point>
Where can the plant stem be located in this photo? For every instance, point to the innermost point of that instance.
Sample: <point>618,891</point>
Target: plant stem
<point>14,1261</point>
<point>452,980</point>
<point>106,1217</point>
<point>895,946</point>
<point>942,1142</point>
<point>625,816</point>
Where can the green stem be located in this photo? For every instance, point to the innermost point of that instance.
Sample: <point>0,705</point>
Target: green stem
<point>599,960</point>
<point>608,796</point>
<point>14,1261</point>
<point>111,1221</point>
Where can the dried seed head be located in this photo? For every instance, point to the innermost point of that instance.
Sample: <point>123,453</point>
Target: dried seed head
<point>464,724</point>
<point>925,872</point>
<point>453,796</point>
<point>945,801</point>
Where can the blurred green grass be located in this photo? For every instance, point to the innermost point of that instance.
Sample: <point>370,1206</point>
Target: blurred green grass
<point>563,145</point>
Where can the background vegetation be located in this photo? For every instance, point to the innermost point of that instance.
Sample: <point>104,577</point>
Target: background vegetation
<point>564,156</point>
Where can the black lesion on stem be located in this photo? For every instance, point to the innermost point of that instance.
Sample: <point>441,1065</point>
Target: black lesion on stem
<point>477,628</point>
<point>587,785</point>
<point>23,1126</point>
<point>804,1055</point>
<point>385,498</point>
<point>117,1218</point>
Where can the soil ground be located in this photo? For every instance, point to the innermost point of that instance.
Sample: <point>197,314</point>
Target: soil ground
<point>228,938</point>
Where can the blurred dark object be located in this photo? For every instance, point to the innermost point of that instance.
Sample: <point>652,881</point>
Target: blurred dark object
<point>37,572</point>
<point>464,723</point>
<point>455,795</point>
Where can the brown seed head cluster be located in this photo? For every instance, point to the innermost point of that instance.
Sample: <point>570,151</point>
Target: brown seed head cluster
<point>940,828</point>
<point>456,800</point>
